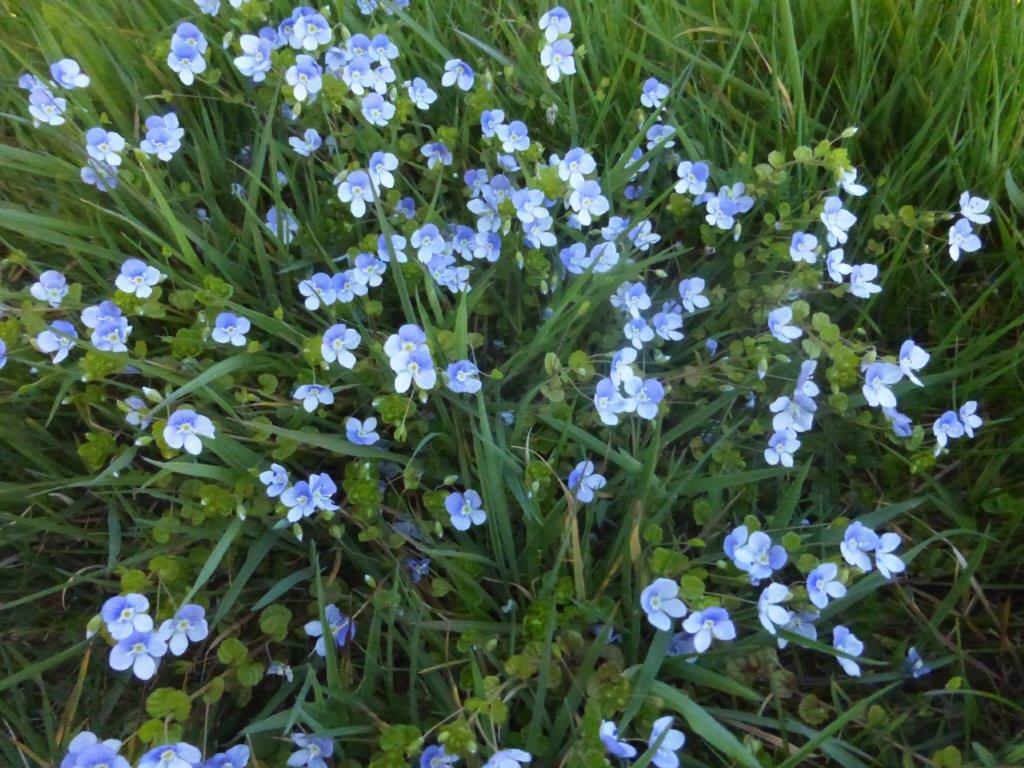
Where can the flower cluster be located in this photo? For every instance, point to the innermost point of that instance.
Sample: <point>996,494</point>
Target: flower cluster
<point>137,645</point>
<point>413,319</point>
<point>557,54</point>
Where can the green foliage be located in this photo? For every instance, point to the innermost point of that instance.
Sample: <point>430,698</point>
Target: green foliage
<point>499,644</point>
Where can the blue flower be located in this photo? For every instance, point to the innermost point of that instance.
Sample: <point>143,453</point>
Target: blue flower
<point>638,332</point>
<point>51,287</point>
<point>575,167</point>
<point>163,136</point>
<point>463,377</point>
<point>653,95</point>
<point>609,402</point>
<point>836,267</point>
<point>514,136</point>
<point>755,555</point>
<point>844,641</point>
<point>298,499</point>
<point>973,208</point>
<point>643,396</point>
<point>665,741</point>
<point>791,413</point>
<point>57,340</point>
<point>276,480</point>
<point>913,665</point>
<point>588,202</point>
<point>396,244</point>
<point>709,623</point>
<point>691,293</point>
<point>800,623</point>
<point>308,30</point>
<point>415,366</point>
<point>823,584</point>
<point>631,298</point>
<point>769,611</point>
<point>311,751</point>
<point>613,745</point>
<point>912,358</point>
<point>188,625</point>
<point>305,77</point>
<point>436,153</point>
<point>861,276</point>
<point>110,334</point>
<point>356,190</point>
<point>67,73</point>
<point>901,424</point>
<point>406,207</point>
<point>229,328</point>
<point>180,755</point>
<point>428,242</point>
<point>139,651</point>
<point>660,135</point>
<point>858,540</point>
<point>184,428</point>
<point>318,289</point>
<point>555,23</point>
<point>137,278</point>
<point>418,568</point>
<point>781,447</point>
<point>45,108</point>
<point>693,178</point>
<point>887,561</point>
<point>722,208</point>
<point>803,247</point>
<point>584,482</point>
<point>361,432</point>
<point>236,757</point>
<point>99,175</point>
<point>464,510</point>
<point>945,427</point>
<point>87,751</point>
<point>337,344</point>
<point>486,246</point>
<point>508,758</point>
<point>104,146</point>
<point>661,603</point>
<point>837,220</point>
<point>420,93</point>
<point>209,7</point>
<point>138,412</point>
<point>435,756</point>
<point>458,73</point>
<point>313,395</point>
<point>736,538</point>
<point>848,183</point>
<point>307,144</point>
<point>349,284</point>
<point>878,378</point>
<point>490,120</point>
<point>186,55</point>
<point>255,61</point>
<point>377,110</point>
<point>668,323</point>
<point>778,325</point>
<point>557,59</point>
<point>575,259</point>
<point>969,418</point>
<point>125,614</point>
<point>282,224</point>
<point>380,169</point>
<point>339,626</point>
